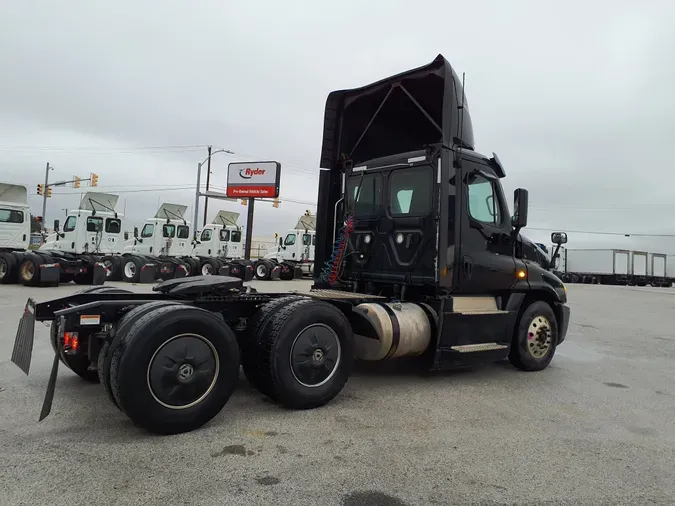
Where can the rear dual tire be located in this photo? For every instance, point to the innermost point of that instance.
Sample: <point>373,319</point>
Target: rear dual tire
<point>174,368</point>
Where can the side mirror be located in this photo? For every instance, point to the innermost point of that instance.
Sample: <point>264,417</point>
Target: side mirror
<point>56,225</point>
<point>281,241</point>
<point>558,237</point>
<point>135,232</point>
<point>520,200</point>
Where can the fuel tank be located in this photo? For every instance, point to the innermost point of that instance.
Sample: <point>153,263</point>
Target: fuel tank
<point>383,331</point>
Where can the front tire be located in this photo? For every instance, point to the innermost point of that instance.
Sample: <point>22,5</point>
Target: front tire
<point>175,369</point>
<point>535,338</point>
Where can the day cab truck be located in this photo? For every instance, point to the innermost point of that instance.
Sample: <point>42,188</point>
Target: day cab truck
<point>17,264</point>
<point>420,258</point>
<point>220,241</point>
<point>89,245</point>
<point>164,250</point>
<point>294,254</point>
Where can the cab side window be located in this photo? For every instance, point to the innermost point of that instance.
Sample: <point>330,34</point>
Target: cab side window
<point>224,235</point>
<point>183,232</point>
<point>306,239</point>
<point>169,231</point>
<point>290,240</point>
<point>483,200</point>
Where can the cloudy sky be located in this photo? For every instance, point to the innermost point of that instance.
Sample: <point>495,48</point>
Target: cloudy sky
<point>576,98</point>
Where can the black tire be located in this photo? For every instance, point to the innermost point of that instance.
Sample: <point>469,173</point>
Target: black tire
<point>250,343</point>
<point>112,343</point>
<point>131,269</point>
<point>167,270</point>
<point>299,320</point>
<point>113,264</point>
<point>209,266</point>
<point>29,269</point>
<point>193,264</point>
<point>262,270</point>
<point>135,376</point>
<point>286,272</point>
<point>535,338</point>
<point>8,269</point>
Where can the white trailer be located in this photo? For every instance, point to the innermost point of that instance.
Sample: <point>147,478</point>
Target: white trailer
<point>295,251</point>
<point>17,264</point>
<point>670,269</point>
<point>639,273</point>
<point>606,266</point>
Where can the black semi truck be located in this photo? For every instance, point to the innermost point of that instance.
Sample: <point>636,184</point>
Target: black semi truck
<point>421,258</point>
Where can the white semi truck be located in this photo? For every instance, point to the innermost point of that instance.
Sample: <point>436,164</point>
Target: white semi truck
<point>17,263</point>
<point>221,239</point>
<point>166,243</point>
<point>91,238</point>
<point>294,252</point>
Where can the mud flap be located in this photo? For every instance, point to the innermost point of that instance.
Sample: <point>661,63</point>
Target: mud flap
<point>224,270</point>
<point>297,272</point>
<point>99,274</point>
<point>148,272</point>
<point>25,335</point>
<point>248,272</point>
<point>51,387</point>
<point>50,274</point>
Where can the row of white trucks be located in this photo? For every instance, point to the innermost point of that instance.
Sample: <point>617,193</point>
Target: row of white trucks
<point>91,245</point>
<point>615,267</point>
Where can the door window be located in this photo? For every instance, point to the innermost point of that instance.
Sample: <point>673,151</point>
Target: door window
<point>148,230</point>
<point>483,200</point>
<point>306,239</point>
<point>70,223</point>
<point>206,235</point>
<point>168,230</point>
<point>290,240</point>
<point>411,191</point>
<point>224,235</point>
<point>313,240</point>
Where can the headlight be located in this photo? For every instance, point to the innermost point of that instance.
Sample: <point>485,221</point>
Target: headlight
<point>367,239</point>
<point>399,238</point>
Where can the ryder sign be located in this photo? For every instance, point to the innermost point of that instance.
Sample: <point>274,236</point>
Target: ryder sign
<point>253,179</point>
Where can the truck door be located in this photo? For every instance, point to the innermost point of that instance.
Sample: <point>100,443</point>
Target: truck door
<point>145,245</point>
<point>288,251</point>
<point>486,259</point>
<point>306,253</point>
<point>112,236</point>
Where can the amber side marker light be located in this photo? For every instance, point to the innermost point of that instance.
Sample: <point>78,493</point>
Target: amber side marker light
<point>521,274</point>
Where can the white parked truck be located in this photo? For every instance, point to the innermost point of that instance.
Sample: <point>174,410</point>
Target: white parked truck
<point>294,251</point>
<point>17,264</point>
<point>91,234</point>
<point>221,239</point>
<point>166,242</point>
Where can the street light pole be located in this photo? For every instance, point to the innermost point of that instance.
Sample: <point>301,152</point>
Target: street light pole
<point>44,198</point>
<point>208,179</point>
<point>194,222</point>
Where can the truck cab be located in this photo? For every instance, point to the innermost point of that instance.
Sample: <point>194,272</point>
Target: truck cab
<point>222,238</point>
<point>14,218</point>
<point>93,228</point>
<point>295,249</point>
<point>166,234</point>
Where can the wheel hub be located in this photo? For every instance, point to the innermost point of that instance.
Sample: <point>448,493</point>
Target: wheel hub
<point>183,371</point>
<point>539,337</point>
<point>315,355</point>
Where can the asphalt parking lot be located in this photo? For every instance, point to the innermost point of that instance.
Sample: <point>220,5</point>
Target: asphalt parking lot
<point>596,427</point>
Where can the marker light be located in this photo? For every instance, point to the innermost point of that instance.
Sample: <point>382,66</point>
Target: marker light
<point>367,239</point>
<point>399,238</point>
<point>521,274</point>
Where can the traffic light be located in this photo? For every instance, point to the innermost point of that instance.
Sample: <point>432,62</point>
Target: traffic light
<point>94,179</point>
<point>76,182</point>
<point>276,203</point>
<point>244,202</point>
<point>40,189</point>
<point>49,191</point>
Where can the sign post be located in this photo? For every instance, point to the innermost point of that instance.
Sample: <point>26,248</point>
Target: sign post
<point>251,180</point>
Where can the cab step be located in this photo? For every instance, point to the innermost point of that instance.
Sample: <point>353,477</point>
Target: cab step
<point>472,348</point>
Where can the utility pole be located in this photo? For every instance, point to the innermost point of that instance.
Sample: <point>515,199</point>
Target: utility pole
<point>249,229</point>
<point>44,198</point>
<point>208,179</point>
<point>197,192</point>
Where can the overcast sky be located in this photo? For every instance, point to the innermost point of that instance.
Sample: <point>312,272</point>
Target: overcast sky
<point>576,98</point>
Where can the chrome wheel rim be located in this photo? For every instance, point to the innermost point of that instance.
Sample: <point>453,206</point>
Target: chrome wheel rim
<point>539,337</point>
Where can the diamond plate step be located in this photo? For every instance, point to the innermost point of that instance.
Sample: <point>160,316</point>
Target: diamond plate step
<point>471,348</point>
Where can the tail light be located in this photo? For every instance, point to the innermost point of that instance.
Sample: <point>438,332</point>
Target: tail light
<point>71,342</point>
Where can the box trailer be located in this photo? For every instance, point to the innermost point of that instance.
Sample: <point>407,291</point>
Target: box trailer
<point>604,266</point>
<point>670,269</point>
<point>657,269</point>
